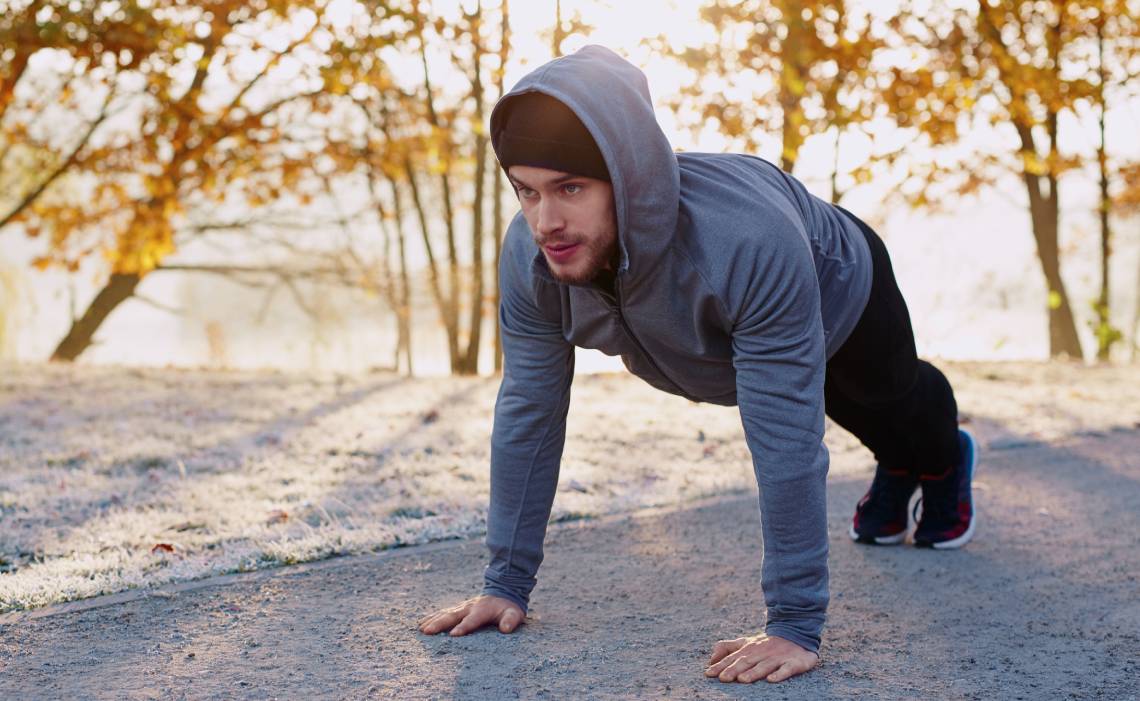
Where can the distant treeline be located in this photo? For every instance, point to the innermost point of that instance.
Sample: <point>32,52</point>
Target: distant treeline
<point>129,128</point>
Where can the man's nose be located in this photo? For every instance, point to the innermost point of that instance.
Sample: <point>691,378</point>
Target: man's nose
<point>550,219</point>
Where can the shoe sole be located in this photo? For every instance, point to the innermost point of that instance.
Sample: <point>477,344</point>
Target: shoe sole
<point>876,540</point>
<point>965,537</point>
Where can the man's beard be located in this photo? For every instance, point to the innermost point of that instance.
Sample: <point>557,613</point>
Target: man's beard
<point>595,255</point>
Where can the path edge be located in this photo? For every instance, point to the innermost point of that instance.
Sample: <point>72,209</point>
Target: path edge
<point>170,590</point>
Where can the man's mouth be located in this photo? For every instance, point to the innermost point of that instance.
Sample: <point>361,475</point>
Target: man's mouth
<point>561,251</point>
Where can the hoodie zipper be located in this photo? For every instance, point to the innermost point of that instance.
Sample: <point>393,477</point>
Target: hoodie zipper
<point>636,342</point>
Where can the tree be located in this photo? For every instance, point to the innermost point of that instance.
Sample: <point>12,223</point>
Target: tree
<point>213,104</point>
<point>497,225</point>
<point>381,145</point>
<point>1127,203</point>
<point>90,44</point>
<point>1007,65</point>
<point>777,66</point>
<point>442,143</point>
<point>1114,25</point>
<point>564,28</point>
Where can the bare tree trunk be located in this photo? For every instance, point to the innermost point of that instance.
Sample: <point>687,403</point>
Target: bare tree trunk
<point>836,195</point>
<point>1106,335</point>
<point>1044,212</point>
<point>1132,354</point>
<point>453,273</point>
<point>451,308</point>
<point>791,86</point>
<point>559,31</point>
<point>497,202</point>
<point>390,291</point>
<point>788,133</point>
<point>405,314</point>
<point>433,269</point>
<point>497,225</point>
<point>403,296</point>
<point>119,288</point>
<point>470,364</point>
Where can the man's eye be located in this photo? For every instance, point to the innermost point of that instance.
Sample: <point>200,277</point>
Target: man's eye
<point>572,188</point>
<point>527,192</point>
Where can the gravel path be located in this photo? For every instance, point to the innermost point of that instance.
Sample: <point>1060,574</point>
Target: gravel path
<point>1043,604</point>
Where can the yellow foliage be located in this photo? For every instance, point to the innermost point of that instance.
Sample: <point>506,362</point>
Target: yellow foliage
<point>1033,164</point>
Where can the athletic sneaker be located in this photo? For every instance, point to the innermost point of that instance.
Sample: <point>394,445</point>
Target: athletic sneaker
<point>948,520</point>
<point>881,515</point>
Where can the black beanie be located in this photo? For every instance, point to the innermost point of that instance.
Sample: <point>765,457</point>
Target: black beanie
<point>539,130</point>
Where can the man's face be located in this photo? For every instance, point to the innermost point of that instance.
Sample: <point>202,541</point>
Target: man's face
<point>572,218</point>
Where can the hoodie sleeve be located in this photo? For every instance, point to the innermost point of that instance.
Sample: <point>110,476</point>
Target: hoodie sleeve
<point>529,431</point>
<point>779,356</point>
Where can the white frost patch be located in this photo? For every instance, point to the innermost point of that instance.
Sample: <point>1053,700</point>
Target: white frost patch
<point>114,478</point>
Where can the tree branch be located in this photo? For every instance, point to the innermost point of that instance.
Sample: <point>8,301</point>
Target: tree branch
<point>63,167</point>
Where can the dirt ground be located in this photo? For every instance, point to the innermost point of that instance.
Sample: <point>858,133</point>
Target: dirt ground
<point>1041,605</point>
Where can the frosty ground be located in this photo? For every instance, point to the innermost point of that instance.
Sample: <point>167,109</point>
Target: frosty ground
<point>117,478</point>
<point>147,482</point>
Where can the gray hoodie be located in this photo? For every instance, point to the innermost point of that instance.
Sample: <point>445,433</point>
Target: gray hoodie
<point>734,286</point>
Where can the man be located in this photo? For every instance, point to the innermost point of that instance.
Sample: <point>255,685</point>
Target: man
<point>719,278</point>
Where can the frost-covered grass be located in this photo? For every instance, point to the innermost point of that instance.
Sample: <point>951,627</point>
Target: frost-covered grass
<point>113,478</point>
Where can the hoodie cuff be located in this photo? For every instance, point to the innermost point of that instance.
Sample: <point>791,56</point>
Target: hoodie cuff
<point>512,588</point>
<point>494,590</point>
<point>793,633</point>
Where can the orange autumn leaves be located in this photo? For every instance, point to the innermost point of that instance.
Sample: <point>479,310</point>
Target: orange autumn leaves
<point>198,95</point>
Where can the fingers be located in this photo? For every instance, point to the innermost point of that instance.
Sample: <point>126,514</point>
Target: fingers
<point>784,671</point>
<point>773,659</point>
<point>761,670</point>
<point>746,664</point>
<point>791,668</point>
<point>472,615</point>
<point>510,620</point>
<point>725,647</point>
<point>731,660</point>
<point>472,621</point>
<point>441,621</point>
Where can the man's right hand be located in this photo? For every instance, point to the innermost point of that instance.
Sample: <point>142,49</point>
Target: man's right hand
<point>473,614</point>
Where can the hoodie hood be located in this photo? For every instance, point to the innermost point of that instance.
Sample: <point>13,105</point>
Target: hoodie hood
<point>611,97</point>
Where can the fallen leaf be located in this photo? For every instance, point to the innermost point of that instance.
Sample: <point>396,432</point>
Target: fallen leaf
<point>431,416</point>
<point>277,516</point>
<point>162,547</point>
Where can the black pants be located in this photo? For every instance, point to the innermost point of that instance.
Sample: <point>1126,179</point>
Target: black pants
<point>899,406</point>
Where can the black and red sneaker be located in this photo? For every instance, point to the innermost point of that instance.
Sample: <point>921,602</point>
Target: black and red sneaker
<point>881,515</point>
<point>948,519</point>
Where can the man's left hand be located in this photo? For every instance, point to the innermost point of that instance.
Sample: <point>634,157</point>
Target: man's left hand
<point>759,657</point>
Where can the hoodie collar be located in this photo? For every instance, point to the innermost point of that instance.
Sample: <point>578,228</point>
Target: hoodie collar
<point>611,97</point>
